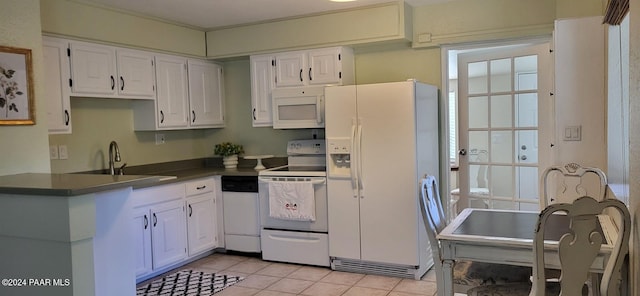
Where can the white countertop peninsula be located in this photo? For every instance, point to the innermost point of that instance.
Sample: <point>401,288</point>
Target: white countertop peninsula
<point>67,234</point>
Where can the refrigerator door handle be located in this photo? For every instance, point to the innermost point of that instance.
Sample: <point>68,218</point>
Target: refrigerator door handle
<point>320,110</point>
<point>359,163</point>
<point>352,167</point>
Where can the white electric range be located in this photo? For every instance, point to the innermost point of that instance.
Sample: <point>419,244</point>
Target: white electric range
<point>295,241</point>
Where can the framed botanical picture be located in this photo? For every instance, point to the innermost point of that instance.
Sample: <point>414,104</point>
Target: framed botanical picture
<point>16,86</point>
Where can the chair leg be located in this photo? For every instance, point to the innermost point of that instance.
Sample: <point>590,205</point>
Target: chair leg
<point>594,284</point>
<point>445,287</point>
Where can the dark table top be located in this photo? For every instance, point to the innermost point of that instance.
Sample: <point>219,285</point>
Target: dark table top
<point>520,225</point>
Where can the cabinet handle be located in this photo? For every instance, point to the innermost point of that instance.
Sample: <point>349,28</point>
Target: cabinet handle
<point>122,83</point>
<point>66,117</point>
<point>113,83</point>
<point>155,220</point>
<point>161,116</point>
<point>310,78</point>
<point>254,113</point>
<point>193,112</point>
<point>300,74</point>
<point>146,222</point>
<point>190,210</point>
<point>201,187</point>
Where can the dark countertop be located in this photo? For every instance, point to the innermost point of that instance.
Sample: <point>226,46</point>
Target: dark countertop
<point>69,184</point>
<point>137,177</point>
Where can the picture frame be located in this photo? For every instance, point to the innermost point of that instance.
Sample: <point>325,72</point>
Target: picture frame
<point>16,86</point>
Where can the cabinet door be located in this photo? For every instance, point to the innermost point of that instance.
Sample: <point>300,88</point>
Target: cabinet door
<point>172,98</point>
<point>201,223</point>
<point>135,74</point>
<point>56,84</point>
<point>168,233</point>
<point>93,69</point>
<point>142,233</point>
<point>262,83</point>
<point>206,94</point>
<point>291,68</point>
<point>325,66</point>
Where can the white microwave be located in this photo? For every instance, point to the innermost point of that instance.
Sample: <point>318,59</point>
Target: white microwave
<point>298,107</point>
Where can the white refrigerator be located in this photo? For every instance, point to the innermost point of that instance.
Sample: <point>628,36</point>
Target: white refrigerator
<point>381,139</point>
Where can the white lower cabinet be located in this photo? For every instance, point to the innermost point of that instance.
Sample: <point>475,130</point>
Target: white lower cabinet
<point>142,240</point>
<point>202,226</point>
<point>168,227</point>
<point>172,223</point>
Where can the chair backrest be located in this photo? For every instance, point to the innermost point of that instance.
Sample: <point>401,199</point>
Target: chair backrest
<point>572,181</point>
<point>432,213</point>
<point>579,247</point>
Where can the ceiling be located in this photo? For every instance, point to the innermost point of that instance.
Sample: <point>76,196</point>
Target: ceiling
<point>210,14</point>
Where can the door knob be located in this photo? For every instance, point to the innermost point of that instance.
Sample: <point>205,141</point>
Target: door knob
<point>523,147</point>
<point>523,157</point>
<point>462,151</point>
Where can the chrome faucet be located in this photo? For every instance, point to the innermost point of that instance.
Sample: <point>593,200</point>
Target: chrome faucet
<point>112,160</point>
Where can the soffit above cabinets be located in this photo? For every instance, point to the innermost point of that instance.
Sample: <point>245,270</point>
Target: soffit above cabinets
<point>207,14</point>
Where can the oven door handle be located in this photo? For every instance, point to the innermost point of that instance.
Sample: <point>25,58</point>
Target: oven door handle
<point>286,179</point>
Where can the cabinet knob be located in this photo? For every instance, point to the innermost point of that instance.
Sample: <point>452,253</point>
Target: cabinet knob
<point>121,83</point>
<point>310,78</point>
<point>161,116</point>
<point>113,83</point>
<point>193,113</point>
<point>66,117</point>
<point>301,75</point>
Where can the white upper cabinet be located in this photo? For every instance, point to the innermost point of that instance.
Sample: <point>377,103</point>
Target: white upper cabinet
<point>315,67</point>
<point>325,66</point>
<point>262,83</point>
<point>56,81</point>
<point>290,68</point>
<point>190,95</point>
<point>206,94</point>
<point>136,75</point>
<point>172,98</point>
<point>98,71</point>
<point>93,69</point>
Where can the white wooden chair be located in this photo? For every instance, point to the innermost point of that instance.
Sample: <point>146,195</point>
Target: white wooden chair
<point>466,274</point>
<point>577,250</point>
<point>572,181</point>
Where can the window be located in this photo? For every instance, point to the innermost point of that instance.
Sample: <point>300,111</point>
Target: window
<point>453,137</point>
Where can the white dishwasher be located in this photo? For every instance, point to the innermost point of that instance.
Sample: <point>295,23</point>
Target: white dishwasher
<point>241,213</point>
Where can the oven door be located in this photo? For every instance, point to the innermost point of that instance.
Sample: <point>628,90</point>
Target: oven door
<point>320,195</point>
<point>298,108</point>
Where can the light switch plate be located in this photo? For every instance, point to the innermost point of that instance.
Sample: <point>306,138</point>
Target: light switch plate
<point>53,152</point>
<point>159,139</point>
<point>63,153</point>
<point>573,133</point>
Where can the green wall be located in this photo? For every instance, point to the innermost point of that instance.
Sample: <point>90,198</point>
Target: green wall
<point>25,148</point>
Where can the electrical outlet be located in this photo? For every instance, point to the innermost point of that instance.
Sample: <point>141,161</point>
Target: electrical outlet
<point>63,153</point>
<point>53,152</point>
<point>159,139</point>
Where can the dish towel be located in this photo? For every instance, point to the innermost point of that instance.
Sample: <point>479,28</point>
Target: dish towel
<point>292,201</point>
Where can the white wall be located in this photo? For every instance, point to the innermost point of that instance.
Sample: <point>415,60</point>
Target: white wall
<point>25,148</point>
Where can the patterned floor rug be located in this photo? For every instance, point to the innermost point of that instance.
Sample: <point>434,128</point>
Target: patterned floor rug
<point>188,283</point>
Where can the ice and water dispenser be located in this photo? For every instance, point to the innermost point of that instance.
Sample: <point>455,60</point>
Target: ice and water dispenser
<point>339,150</point>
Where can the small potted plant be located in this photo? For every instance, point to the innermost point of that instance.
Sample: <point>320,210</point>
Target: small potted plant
<point>229,153</point>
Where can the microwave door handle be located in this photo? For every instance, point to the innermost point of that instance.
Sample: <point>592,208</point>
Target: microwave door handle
<point>319,109</point>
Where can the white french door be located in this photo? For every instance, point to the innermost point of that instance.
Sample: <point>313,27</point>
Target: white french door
<point>505,126</point>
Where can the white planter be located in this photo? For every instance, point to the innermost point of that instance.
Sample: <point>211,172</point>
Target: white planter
<point>230,162</point>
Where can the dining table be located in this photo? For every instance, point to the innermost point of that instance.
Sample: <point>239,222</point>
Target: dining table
<point>506,237</point>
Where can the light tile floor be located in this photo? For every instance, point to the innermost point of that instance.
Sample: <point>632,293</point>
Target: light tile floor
<point>266,278</point>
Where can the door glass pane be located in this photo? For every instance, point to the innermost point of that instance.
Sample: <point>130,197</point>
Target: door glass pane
<point>501,146</point>
<point>501,180</point>
<point>477,78</point>
<point>527,182</point>
<point>478,143</point>
<point>526,110</point>
<point>503,205</point>
<point>529,206</point>
<point>501,75</point>
<point>478,180</point>
<point>478,112</point>
<point>525,72</point>
<point>501,111</point>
